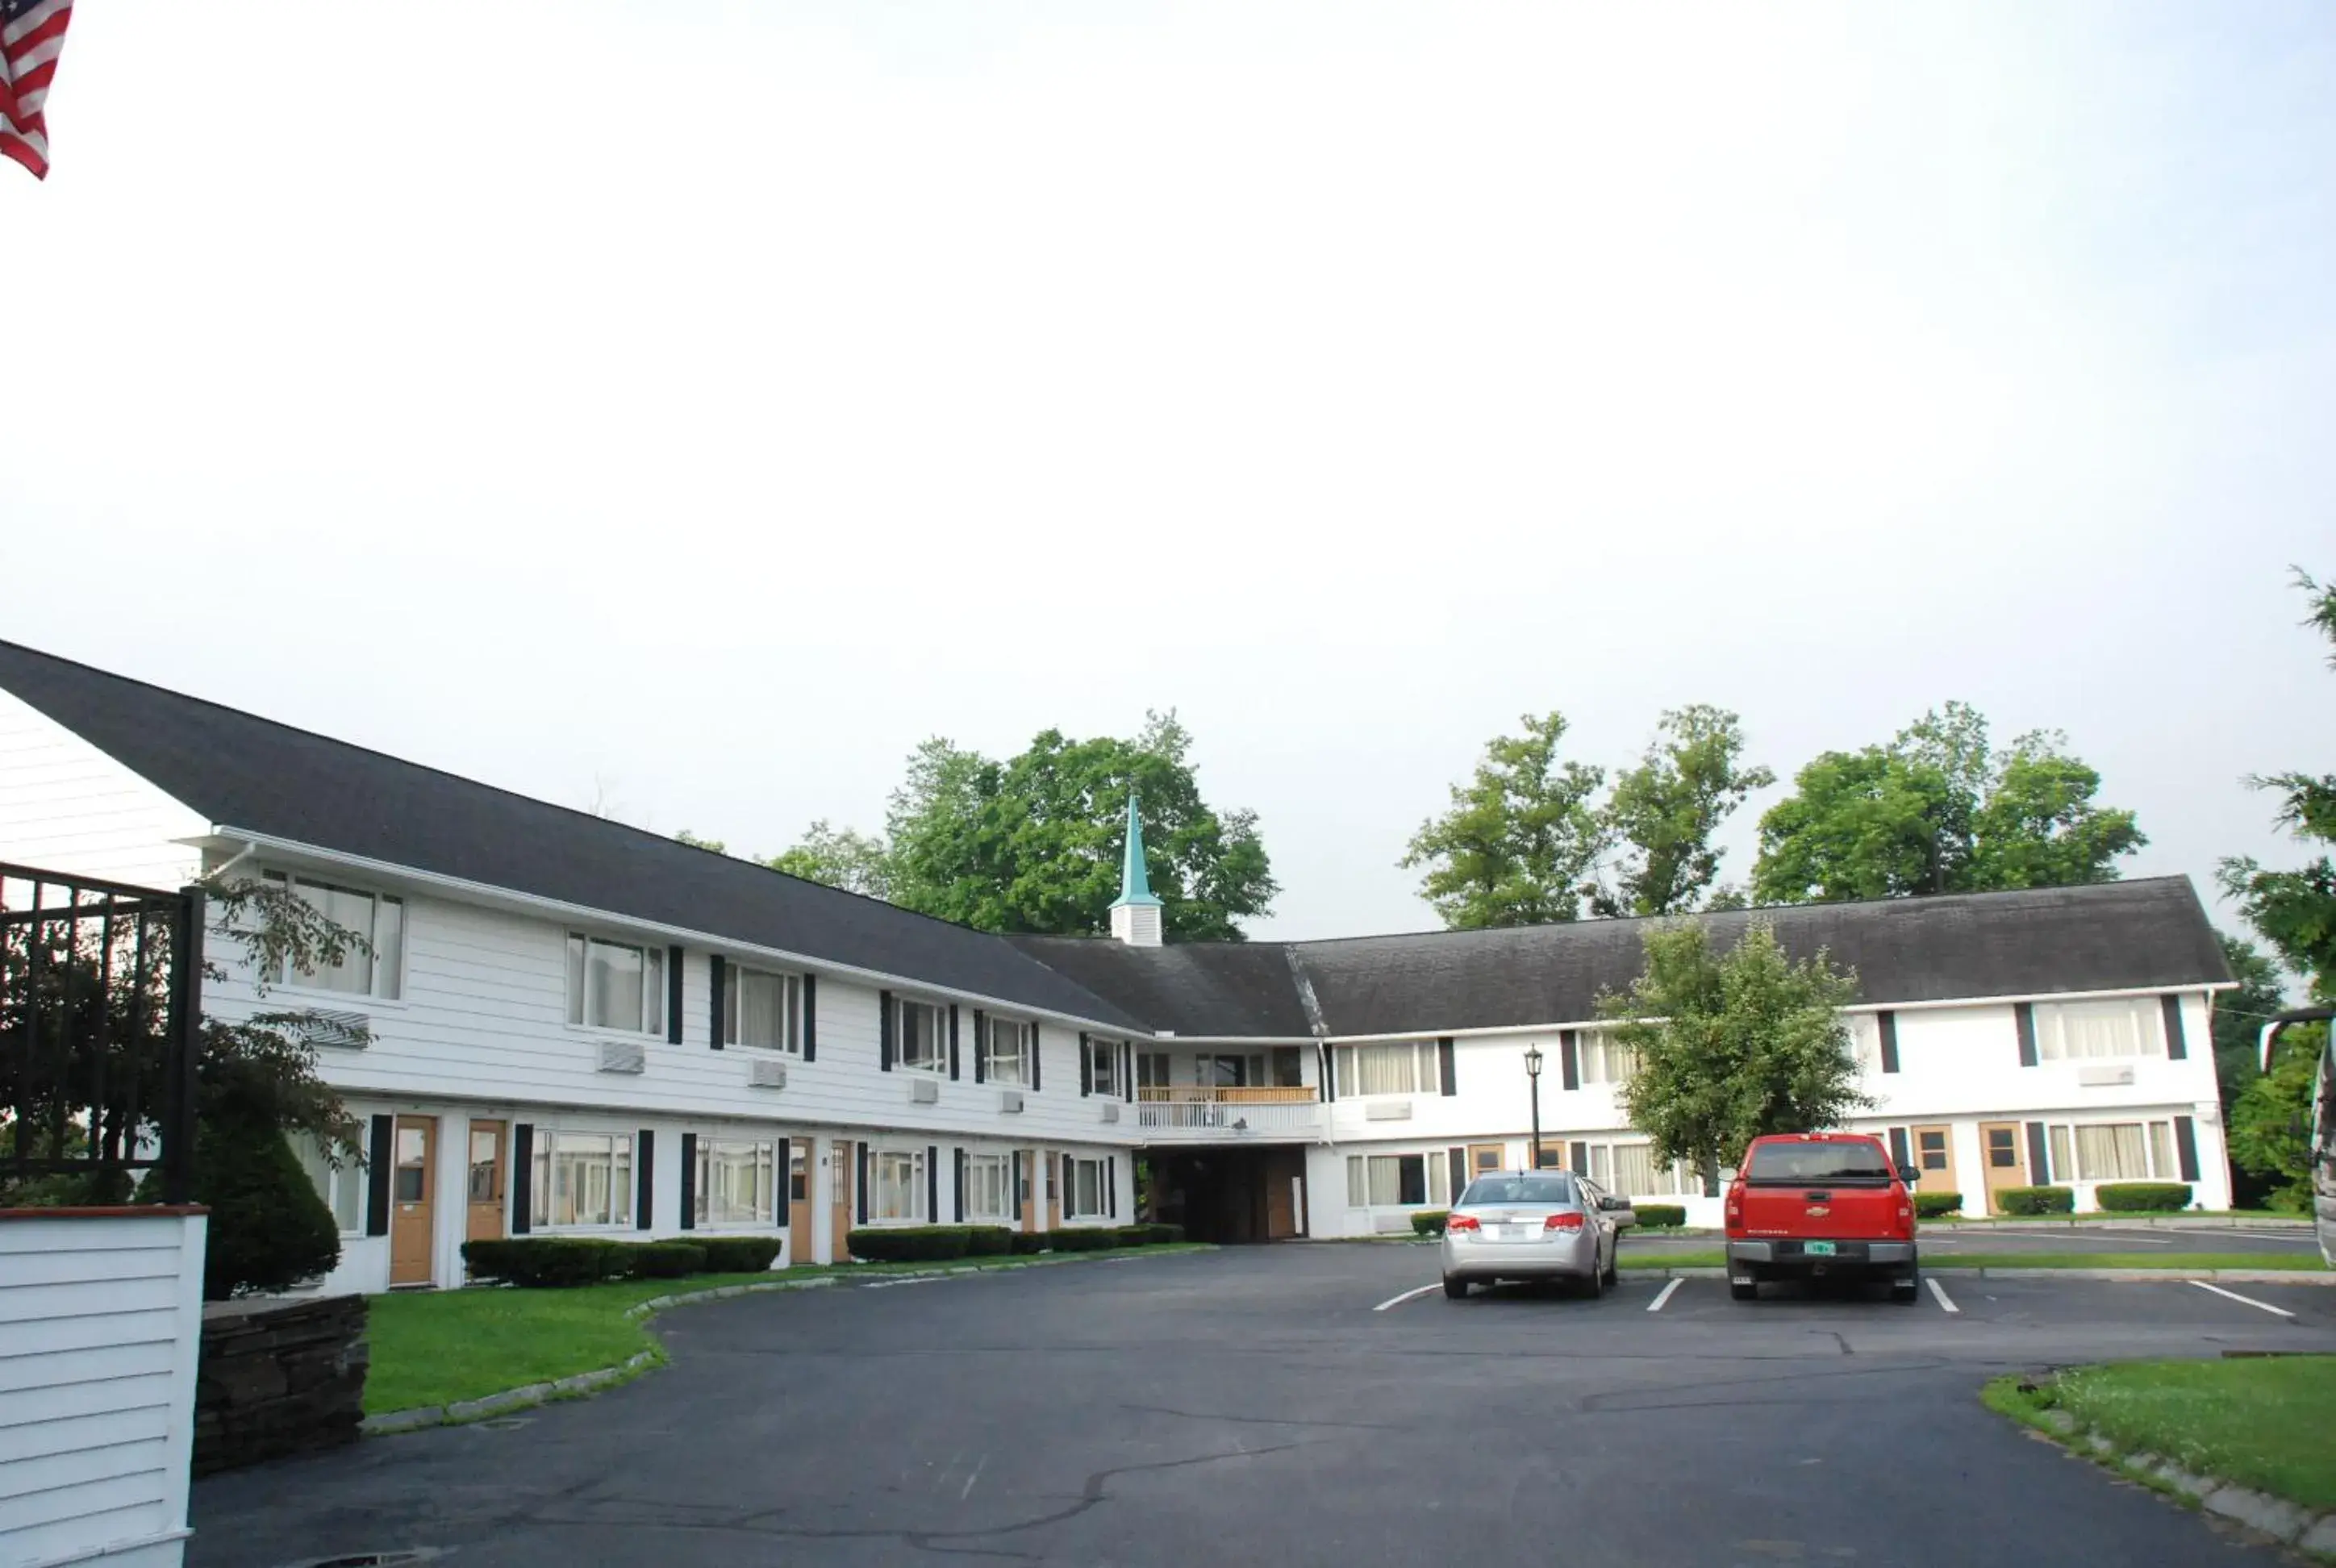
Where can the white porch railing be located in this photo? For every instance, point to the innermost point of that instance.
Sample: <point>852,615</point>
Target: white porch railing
<point>1204,1114</point>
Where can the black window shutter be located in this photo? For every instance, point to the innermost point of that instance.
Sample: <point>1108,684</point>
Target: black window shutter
<point>2023,1014</point>
<point>883,1033</point>
<point>689,1181</point>
<point>960,1186</point>
<point>1068,1189</point>
<point>1127,1070</point>
<point>2185,1145</point>
<point>785,1175</point>
<point>980,1045</point>
<point>673,995</point>
<point>380,1153</point>
<point>1017,1196</point>
<point>1443,1067</point>
<point>1087,1065</point>
<point>1899,1155</point>
<point>1458,1160</point>
<point>1111,1186</point>
<point>1038,1053</point>
<point>861,1183</point>
<point>1888,1023</point>
<point>522,1177</point>
<point>952,1040</point>
<point>1569,1058</point>
<point>932,1184</point>
<point>718,969</point>
<point>811,1018</point>
<point>1579,1163</point>
<point>2177,1042</point>
<point>2040,1171</point>
<point>645,1173</point>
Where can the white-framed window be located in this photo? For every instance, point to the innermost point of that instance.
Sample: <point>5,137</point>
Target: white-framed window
<point>1398,1181</point>
<point>1632,1170</point>
<point>737,1182</point>
<point>761,1011</point>
<point>1006,1051</point>
<point>988,1186</point>
<point>1864,1032</point>
<point>1151,1069</point>
<point>1606,1060</point>
<point>2113,1151</point>
<point>580,1180</point>
<point>343,1190</point>
<point>1407,1068</point>
<point>920,1033</point>
<point>377,917</point>
<point>896,1185</point>
<point>1090,1194</point>
<point>615,985</point>
<point>2090,1031</point>
<point>1103,1071</point>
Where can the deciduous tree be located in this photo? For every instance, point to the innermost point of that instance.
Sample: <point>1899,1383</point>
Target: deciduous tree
<point>1664,812</point>
<point>1522,836</point>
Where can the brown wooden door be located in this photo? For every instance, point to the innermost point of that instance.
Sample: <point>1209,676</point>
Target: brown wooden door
<point>410,1205</point>
<point>846,1168</point>
<point>798,1203</point>
<point>1054,1168</point>
<point>1027,1196</point>
<point>486,1184</point>
<point>1483,1158</point>
<point>1998,1151</point>
<point>1932,1150</point>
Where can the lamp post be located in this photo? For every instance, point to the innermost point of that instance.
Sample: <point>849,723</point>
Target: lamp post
<point>1532,1076</point>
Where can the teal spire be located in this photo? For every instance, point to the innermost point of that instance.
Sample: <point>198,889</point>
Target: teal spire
<point>1134,881</point>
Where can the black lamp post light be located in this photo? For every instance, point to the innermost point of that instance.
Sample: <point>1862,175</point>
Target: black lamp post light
<point>1532,1075</point>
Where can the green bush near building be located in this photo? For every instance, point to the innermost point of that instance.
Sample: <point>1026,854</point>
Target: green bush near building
<point>2142,1197</point>
<point>1937,1205</point>
<point>1659,1216</point>
<point>2038,1200</point>
<point>1429,1221</point>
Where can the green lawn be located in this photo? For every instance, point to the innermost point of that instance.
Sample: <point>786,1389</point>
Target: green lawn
<point>2261,1422</point>
<point>2098,1218</point>
<point>2176,1262</point>
<point>438,1347</point>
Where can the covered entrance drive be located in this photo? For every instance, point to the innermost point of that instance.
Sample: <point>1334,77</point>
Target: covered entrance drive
<point>1226,1195</point>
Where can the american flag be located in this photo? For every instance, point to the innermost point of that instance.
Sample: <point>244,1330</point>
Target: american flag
<point>31,35</point>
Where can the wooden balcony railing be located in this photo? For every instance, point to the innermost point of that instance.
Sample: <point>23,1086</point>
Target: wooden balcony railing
<point>1210,1094</point>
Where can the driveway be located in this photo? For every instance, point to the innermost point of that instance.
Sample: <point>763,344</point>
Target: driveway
<point>1272,1406</point>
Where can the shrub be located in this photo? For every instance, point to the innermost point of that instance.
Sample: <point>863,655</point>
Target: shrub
<point>269,1231</point>
<point>2131,1197</point>
<point>909,1243</point>
<point>988,1241</point>
<point>2038,1200</point>
<point>1932,1205</point>
<point>739,1254</point>
<point>1132,1236</point>
<point>1429,1221</point>
<point>1165,1235</point>
<point>548,1263</point>
<point>1083,1239</point>
<point>1659,1216</point>
<point>1026,1243</point>
<point>664,1260</point>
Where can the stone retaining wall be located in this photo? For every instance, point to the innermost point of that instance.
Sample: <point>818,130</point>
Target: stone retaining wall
<point>278,1377</point>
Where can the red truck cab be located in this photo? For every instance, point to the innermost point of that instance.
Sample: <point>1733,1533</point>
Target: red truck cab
<point>1806,1206</point>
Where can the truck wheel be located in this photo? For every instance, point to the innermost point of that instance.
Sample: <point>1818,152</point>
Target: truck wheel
<point>1744,1290</point>
<point>1906,1291</point>
<point>1455,1289</point>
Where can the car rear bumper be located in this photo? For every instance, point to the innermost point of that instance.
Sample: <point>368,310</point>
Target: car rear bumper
<point>1573,1257</point>
<point>1791,1256</point>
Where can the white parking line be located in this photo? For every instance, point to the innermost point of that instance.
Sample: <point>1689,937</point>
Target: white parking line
<point>1664,1295</point>
<point>1939,1290</point>
<point>2250,1300</point>
<point>1407,1295</point>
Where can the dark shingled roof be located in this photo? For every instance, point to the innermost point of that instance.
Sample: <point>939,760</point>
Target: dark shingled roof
<point>1212,990</point>
<point>244,772</point>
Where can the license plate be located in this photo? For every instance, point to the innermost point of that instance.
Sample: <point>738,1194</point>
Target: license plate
<point>1818,1249</point>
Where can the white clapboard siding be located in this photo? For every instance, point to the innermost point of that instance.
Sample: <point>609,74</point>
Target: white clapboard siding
<point>65,805</point>
<point>100,1325</point>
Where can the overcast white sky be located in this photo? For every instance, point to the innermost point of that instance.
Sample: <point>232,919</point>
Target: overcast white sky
<point>706,402</point>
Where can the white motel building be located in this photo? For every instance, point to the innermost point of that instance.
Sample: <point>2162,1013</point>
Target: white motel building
<point>570,1025</point>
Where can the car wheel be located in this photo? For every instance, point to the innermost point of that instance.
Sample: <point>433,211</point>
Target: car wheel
<point>1594,1286</point>
<point>1613,1269</point>
<point>1455,1289</point>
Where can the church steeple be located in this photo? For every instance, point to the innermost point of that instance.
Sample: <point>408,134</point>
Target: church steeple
<point>1135,914</point>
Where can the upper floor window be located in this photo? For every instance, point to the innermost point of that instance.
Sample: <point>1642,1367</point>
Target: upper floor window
<point>1102,1066</point>
<point>2085,1031</point>
<point>1606,1060</point>
<point>615,985</point>
<point>1409,1069</point>
<point>762,1010</point>
<point>374,965</point>
<point>923,1035</point>
<point>1004,1052</point>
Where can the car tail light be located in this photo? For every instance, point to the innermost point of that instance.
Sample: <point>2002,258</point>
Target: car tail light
<point>1736,1206</point>
<point>1461,1222</point>
<point>1562,1223</point>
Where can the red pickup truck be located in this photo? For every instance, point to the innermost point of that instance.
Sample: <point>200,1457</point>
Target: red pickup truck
<point>1811,1204</point>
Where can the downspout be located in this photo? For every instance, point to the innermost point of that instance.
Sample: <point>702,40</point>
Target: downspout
<point>217,877</point>
<point>1313,1009</point>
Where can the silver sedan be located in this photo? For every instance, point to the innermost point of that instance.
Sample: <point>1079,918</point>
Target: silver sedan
<point>1530,1225</point>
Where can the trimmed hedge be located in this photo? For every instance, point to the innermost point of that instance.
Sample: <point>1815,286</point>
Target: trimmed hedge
<point>548,1263</point>
<point>1934,1205</point>
<point>1084,1238</point>
<point>909,1243</point>
<point>2038,1200</point>
<point>1429,1221</point>
<point>988,1241</point>
<point>1661,1216</point>
<point>2132,1197</point>
<point>740,1254</point>
<point>1026,1243</point>
<point>665,1260</point>
<point>1161,1235</point>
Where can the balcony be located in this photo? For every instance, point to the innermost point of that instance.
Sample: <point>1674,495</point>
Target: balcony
<point>1202,1114</point>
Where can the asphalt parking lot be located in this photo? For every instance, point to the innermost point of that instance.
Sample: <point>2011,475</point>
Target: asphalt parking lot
<point>1298,1405</point>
